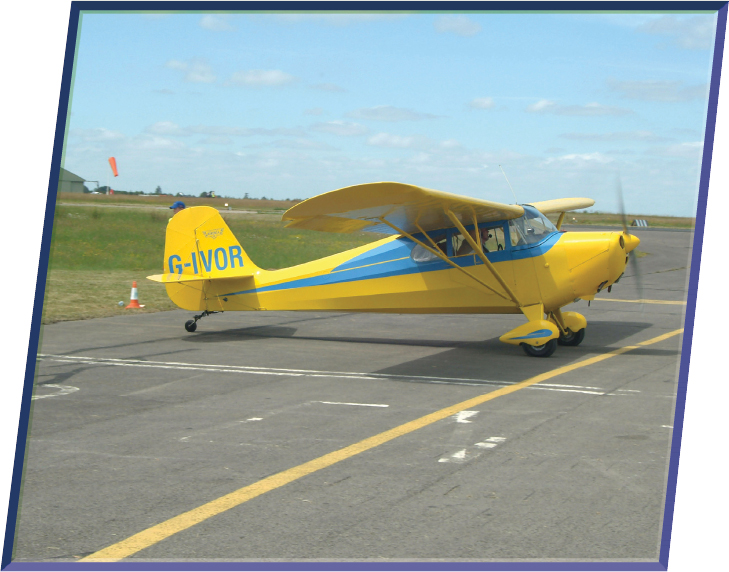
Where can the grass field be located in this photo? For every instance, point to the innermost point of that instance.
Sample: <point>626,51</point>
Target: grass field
<point>96,253</point>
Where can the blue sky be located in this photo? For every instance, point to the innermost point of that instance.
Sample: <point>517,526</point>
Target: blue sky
<point>293,105</point>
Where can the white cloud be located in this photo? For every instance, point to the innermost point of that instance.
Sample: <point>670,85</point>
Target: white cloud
<point>167,128</point>
<point>694,33</point>
<point>341,128</point>
<point>589,109</point>
<point>197,70</point>
<point>148,142</point>
<point>655,90</point>
<point>97,134</point>
<point>580,158</point>
<point>337,19</point>
<point>542,105</point>
<point>687,150</point>
<point>216,140</point>
<point>301,143</point>
<point>216,23</point>
<point>648,136</point>
<point>314,111</point>
<point>388,113</point>
<point>458,25</point>
<point>388,140</point>
<point>261,78</point>
<point>171,129</point>
<point>482,103</point>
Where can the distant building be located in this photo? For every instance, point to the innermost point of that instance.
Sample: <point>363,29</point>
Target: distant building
<point>70,183</point>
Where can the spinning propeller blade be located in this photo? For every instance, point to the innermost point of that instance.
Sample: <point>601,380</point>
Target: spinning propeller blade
<point>633,259</point>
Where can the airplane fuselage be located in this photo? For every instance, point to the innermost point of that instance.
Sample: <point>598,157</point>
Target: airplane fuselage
<point>387,276</point>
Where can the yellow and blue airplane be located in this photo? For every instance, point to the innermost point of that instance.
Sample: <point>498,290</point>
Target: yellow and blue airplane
<point>446,254</point>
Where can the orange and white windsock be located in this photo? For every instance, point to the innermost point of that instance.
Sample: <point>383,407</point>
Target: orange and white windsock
<point>134,298</point>
<point>112,163</point>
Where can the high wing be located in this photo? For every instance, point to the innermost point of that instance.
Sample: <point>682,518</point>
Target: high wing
<point>562,205</point>
<point>407,208</point>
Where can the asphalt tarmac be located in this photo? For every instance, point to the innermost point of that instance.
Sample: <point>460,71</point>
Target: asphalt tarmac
<point>136,421</point>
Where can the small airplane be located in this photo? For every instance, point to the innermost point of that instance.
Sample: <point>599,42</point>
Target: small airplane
<point>446,254</point>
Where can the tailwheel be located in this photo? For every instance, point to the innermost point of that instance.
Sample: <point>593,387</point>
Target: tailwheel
<point>545,350</point>
<point>191,325</point>
<point>572,338</point>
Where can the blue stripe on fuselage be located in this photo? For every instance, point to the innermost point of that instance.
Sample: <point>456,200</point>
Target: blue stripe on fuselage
<point>393,259</point>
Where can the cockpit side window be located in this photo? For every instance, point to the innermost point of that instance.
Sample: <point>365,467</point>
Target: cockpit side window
<point>420,254</point>
<point>460,245</point>
<point>492,240</point>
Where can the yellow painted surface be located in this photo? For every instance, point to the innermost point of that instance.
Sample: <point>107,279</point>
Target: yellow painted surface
<point>562,205</point>
<point>406,206</point>
<point>669,302</point>
<point>519,334</point>
<point>159,532</point>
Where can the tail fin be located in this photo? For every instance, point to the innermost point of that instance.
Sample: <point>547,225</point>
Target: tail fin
<point>200,248</point>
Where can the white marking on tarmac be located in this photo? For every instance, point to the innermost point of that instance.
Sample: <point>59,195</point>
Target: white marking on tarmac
<point>457,457</point>
<point>64,390</point>
<point>463,455</point>
<point>253,370</point>
<point>486,445</point>
<point>462,416</point>
<point>360,404</point>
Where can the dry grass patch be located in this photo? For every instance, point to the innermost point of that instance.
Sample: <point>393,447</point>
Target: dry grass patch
<point>83,294</point>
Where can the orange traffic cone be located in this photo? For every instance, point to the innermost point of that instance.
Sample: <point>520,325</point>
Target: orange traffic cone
<point>134,298</point>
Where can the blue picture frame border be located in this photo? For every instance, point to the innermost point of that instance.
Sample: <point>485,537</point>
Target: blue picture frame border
<point>525,6</point>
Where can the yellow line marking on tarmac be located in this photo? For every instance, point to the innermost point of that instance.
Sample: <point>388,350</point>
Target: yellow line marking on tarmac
<point>165,529</point>
<point>672,302</point>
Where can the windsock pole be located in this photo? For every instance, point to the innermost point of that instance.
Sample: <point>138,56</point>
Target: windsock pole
<point>134,298</point>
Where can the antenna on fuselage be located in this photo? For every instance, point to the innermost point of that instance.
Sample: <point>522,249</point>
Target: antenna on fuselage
<point>512,189</point>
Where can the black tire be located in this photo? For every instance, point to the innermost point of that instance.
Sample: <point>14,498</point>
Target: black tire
<point>572,338</point>
<point>545,350</point>
<point>191,325</point>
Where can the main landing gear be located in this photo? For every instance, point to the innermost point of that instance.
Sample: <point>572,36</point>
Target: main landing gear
<point>545,350</point>
<point>569,338</point>
<point>559,328</point>
<point>191,325</point>
<point>572,338</point>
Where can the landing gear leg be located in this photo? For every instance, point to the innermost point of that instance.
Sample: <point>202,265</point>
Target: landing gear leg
<point>191,325</point>
<point>571,327</point>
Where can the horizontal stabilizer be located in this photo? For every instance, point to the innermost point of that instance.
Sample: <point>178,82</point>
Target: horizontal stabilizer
<point>174,278</point>
<point>177,278</point>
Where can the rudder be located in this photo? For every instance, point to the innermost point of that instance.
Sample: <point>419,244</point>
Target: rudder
<point>199,248</point>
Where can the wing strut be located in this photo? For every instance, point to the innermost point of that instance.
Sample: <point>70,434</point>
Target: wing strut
<point>560,220</point>
<point>479,252</point>
<point>436,251</point>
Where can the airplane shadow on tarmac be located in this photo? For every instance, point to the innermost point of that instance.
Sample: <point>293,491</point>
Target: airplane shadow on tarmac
<point>484,360</point>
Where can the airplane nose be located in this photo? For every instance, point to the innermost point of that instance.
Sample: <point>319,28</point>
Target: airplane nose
<point>631,242</point>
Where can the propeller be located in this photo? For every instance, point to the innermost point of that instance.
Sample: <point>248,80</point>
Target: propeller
<point>631,242</point>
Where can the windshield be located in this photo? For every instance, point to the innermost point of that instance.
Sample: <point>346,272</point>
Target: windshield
<point>531,228</point>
